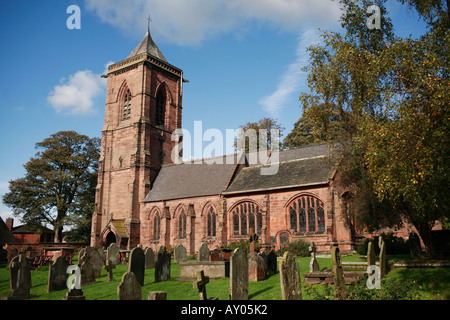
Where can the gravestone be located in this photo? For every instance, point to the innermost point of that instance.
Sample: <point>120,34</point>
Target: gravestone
<point>157,295</point>
<point>253,239</point>
<point>136,264</point>
<point>271,263</point>
<point>200,284</point>
<point>382,257</point>
<point>57,275</point>
<point>88,270</point>
<point>149,258</point>
<point>339,282</point>
<point>179,254</point>
<point>238,275</point>
<point>290,278</point>
<point>111,259</point>
<point>162,265</point>
<point>20,278</point>
<point>74,284</point>
<point>413,243</point>
<point>203,252</point>
<point>371,254</point>
<point>113,254</point>
<point>97,261</point>
<point>313,264</point>
<point>129,288</point>
<point>256,267</point>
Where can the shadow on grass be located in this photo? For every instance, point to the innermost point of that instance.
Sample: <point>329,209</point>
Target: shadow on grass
<point>255,294</point>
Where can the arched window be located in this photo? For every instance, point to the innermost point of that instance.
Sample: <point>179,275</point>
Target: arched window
<point>182,225</point>
<point>307,215</point>
<point>160,106</point>
<point>211,222</point>
<point>127,105</point>
<point>156,226</point>
<point>247,215</point>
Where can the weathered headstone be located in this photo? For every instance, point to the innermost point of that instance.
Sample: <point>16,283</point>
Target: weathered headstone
<point>162,265</point>
<point>97,262</point>
<point>413,243</point>
<point>238,275</point>
<point>271,263</point>
<point>129,288</point>
<point>382,257</point>
<point>113,253</point>
<point>88,270</point>
<point>256,267</point>
<point>179,254</point>
<point>203,252</point>
<point>371,254</point>
<point>149,258</point>
<point>74,284</point>
<point>111,259</point>
<point>136,264</point>
<point>57,275</point>
<point>339,282</point>
<point>290,278</point>
<point>157,295</point>
<point>20,278</point>
<point>313,264</point>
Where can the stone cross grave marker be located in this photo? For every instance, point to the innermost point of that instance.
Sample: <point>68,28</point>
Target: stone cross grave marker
<point>20,278</point>
<point>162,265</point>
<point>313,265</point>
<point>149,258</point>
<point>253,238</point>
<point>339,282</point>
<point>57,275</point>
<point>290,278</point>
<point>238,275</point>
<point>203,252</point>
<point>179,254</point>
<point>74,284</point>
<point>129,288</point>
<point>136,264</point>
<point>382,257</point>
<point>200,284</point>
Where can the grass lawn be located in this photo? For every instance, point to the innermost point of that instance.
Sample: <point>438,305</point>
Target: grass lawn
<point>431,283</point>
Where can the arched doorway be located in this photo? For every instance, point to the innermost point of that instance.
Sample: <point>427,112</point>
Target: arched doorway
<point>110,238</point>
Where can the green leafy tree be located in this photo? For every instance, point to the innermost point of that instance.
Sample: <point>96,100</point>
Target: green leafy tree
<point>267,124</point>
<point>59,182</point>
<point>391,95</point>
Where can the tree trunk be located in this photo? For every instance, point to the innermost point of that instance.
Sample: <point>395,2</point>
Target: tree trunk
<point>424,230</point>
<point>58,234</point>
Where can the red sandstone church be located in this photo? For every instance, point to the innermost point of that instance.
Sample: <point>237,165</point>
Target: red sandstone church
<point>143,198</point>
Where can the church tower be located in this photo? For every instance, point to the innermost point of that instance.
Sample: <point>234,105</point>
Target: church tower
<point>142,109</point>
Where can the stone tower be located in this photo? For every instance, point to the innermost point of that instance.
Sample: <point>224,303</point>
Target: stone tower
<point>142,109</point>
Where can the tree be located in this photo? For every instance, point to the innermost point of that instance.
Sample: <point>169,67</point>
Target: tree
<point>391,95</point>
<point>251,132</point>
<point>59,182</point>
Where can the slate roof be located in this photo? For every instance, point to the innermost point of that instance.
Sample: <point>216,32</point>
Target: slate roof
<point>147,45</point>
<point>192,179</point>
<point>304,166</point>
<point>293,173</point>
<point>6,235</point>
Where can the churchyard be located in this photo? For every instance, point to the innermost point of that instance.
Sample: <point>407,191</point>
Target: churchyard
<point>423,283</point>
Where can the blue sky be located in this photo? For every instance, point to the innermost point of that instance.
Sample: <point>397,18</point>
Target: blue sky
<point>242,59</point>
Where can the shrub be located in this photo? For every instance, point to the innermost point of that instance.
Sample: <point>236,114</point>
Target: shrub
<point>299,248</point>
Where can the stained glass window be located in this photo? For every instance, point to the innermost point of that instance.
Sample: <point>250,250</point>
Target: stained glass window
<point>182,225</point>
<point>246,216</point>
<point>156,226</point>
<point>307,215</point>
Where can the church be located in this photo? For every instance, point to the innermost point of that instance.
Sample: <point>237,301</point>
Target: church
<point>143,197</point>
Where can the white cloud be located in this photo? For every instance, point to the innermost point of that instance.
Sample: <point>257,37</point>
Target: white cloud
<point>292,79</point>
<point>191,22</point>
<point>75,96</point>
